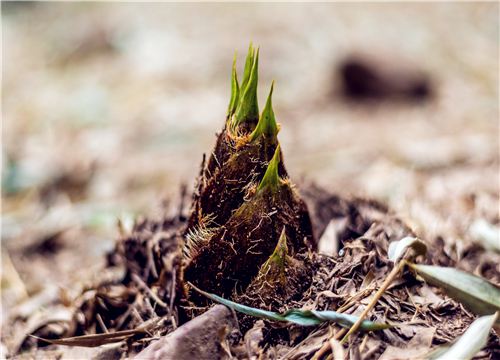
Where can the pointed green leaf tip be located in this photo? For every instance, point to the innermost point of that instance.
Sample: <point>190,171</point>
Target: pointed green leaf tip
<point>235,90</point>
<point>271,178</point>
<point>248,66</point>
<point>274,268</point>
<point>267,125</point>
<point>280,252</point>
<point>248,107</point>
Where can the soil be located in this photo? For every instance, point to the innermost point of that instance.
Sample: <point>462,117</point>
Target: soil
<point>149,289</point>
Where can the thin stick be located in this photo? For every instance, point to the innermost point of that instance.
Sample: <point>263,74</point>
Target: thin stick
<point>150,292</point>
<point>101,322</point>
<point>392,275</point>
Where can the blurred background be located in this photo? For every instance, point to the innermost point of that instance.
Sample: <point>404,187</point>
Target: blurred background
<point>108,108</point>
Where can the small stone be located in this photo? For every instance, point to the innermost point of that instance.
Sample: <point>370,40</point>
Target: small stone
<point>200,338</point>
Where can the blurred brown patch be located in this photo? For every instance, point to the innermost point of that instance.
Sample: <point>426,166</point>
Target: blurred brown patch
<point>383,77</point>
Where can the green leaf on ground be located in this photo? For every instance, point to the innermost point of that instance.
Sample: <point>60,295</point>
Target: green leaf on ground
<point>470,342</point>
<point>476,293</point>
<point>299,317</point>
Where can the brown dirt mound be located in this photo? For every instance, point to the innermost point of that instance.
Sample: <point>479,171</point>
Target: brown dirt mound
<point>150,289</point>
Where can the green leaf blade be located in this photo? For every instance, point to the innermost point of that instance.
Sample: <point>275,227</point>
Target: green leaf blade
<point>248,66</point>
<point>296,316</point>
<point>235,90</point>
<point>476,293</point>
<point>248,106</point>
<point>271,179</point>
<point>302,317</point>
<point>267,125</point>
<point>280,251</point>
<point>347,321</point>
<point>471,341</point>
<point>264,314</point>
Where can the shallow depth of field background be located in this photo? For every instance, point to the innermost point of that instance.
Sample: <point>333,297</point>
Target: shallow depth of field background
<point>108,107</point>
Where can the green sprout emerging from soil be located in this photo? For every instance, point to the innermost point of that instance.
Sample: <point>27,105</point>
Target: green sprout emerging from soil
<point>246,215</point>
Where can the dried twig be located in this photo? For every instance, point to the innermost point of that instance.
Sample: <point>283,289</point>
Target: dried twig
<point>150,292</point>
<point>392,275</point>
